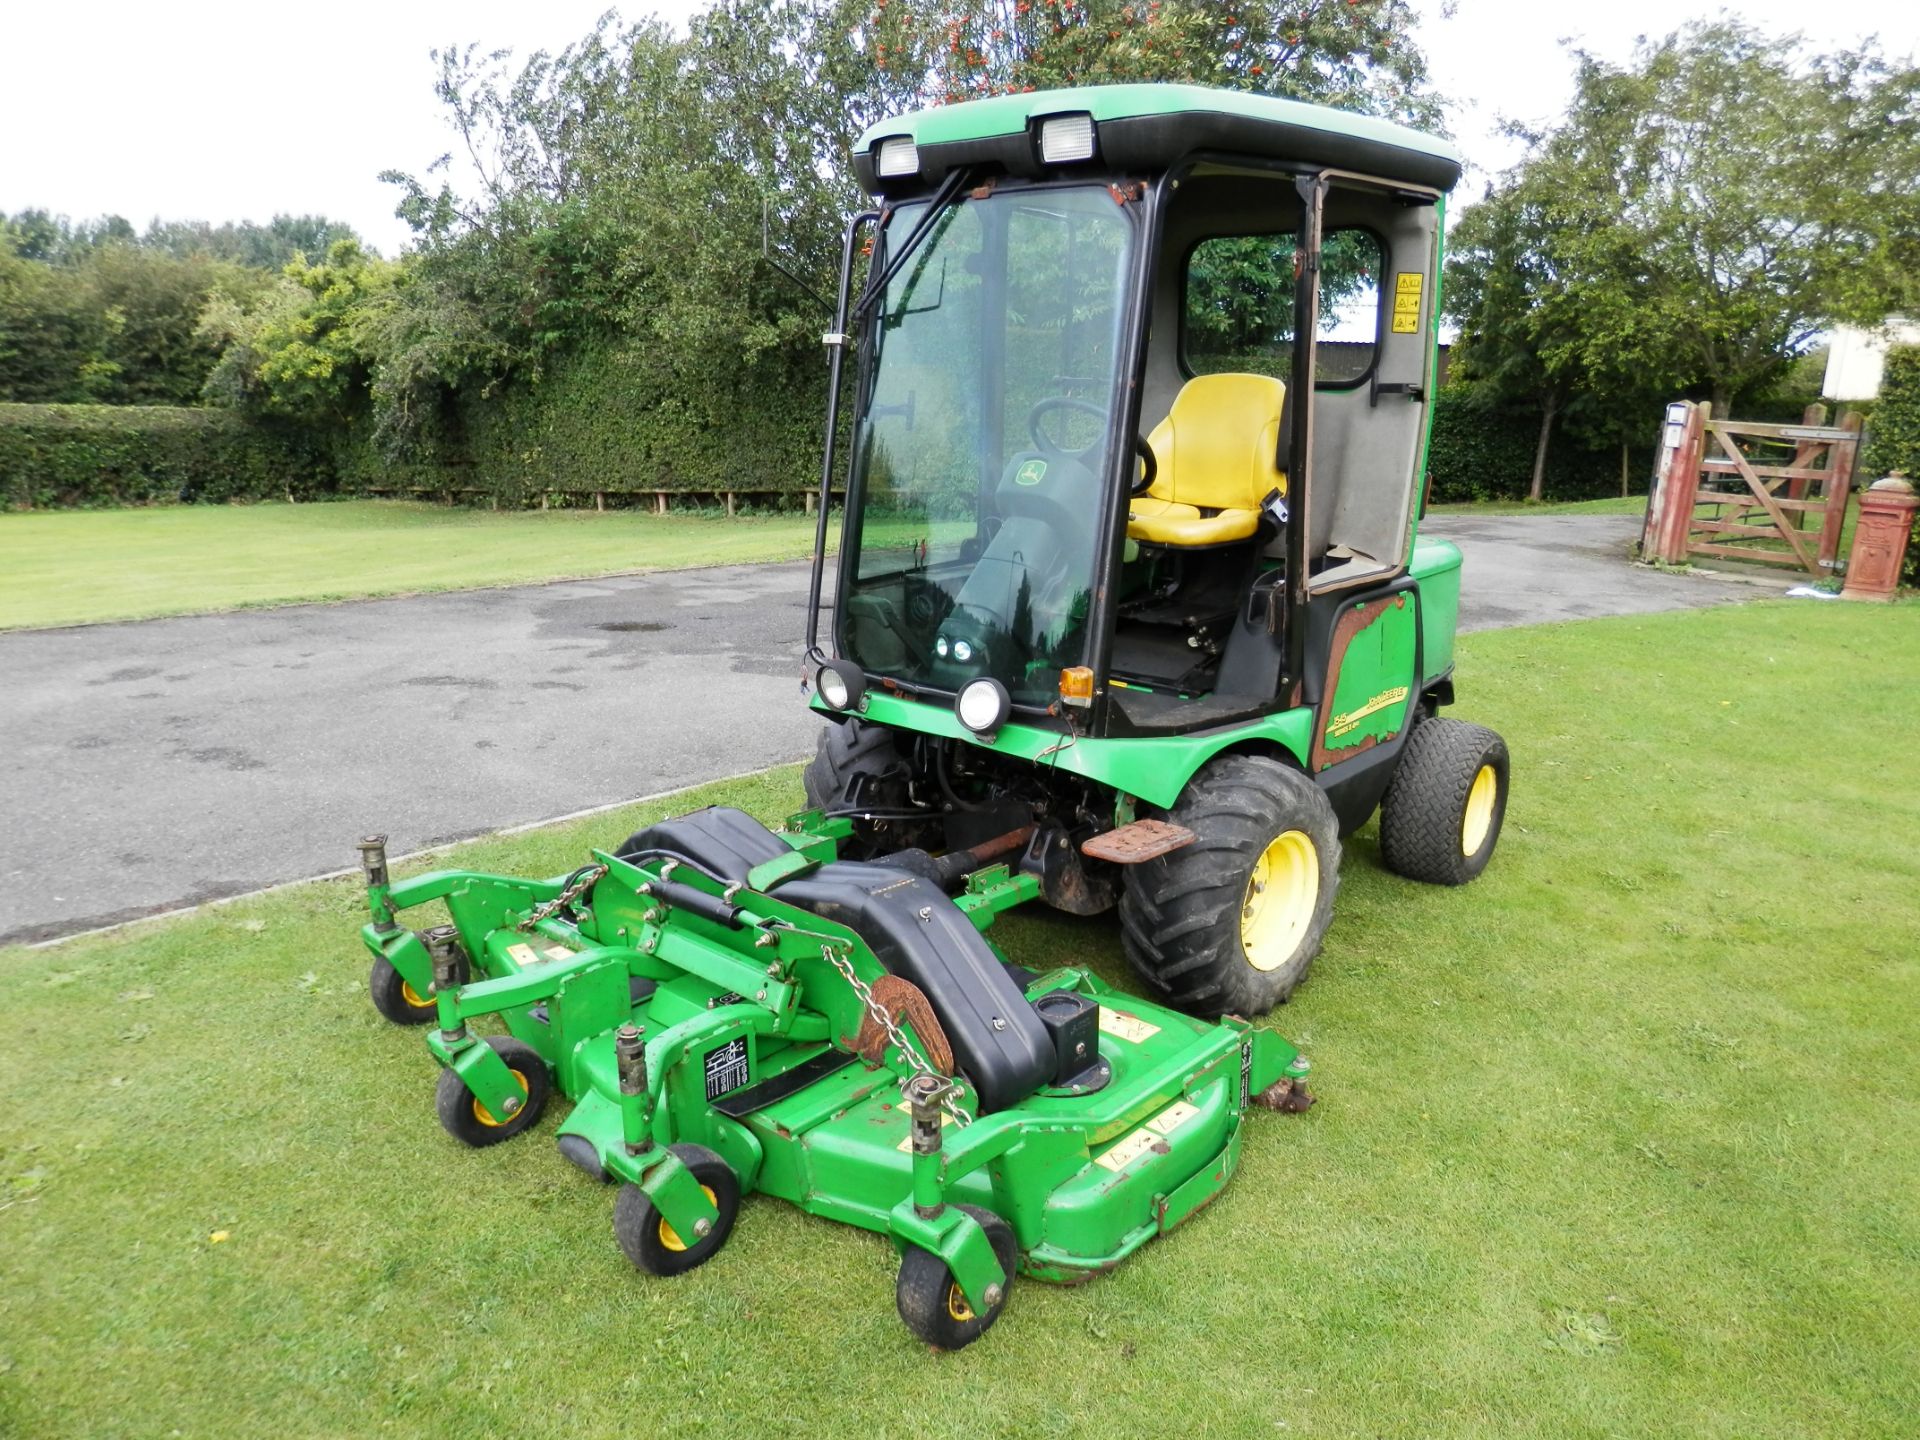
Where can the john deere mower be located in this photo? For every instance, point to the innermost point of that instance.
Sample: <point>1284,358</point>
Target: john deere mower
<point>1129,609</point>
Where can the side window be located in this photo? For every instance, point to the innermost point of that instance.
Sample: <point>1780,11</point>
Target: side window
<point>1238,306</point>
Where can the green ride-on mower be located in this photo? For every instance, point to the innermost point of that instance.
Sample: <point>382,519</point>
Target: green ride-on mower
<point>1129,610</point>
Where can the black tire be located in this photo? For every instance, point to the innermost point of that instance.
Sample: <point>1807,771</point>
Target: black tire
<point>394,998</point>
<point>646,1238</point>
<point>471,1123</point>
<point>849,752</point>
<point>1425,819</point>
<point>932,1304</point>
<point>1192,921</point>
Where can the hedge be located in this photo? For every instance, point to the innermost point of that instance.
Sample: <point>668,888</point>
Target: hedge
<point>72,456</point>
<point>1482,452</point>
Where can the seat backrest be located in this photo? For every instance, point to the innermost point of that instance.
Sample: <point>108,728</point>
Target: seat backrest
<point>1218,446</point>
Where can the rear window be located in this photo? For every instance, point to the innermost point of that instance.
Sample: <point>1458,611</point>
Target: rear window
<point>1237,309</point>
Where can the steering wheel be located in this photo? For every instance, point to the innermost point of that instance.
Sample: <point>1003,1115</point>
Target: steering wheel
<point>1150,461</point>
<point>1062,402</point>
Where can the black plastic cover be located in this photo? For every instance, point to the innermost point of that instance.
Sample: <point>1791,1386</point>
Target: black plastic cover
<point>922,936</point>
<point>724,842</point>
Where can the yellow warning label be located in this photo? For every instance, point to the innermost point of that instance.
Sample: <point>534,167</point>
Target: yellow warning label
<point>522,955</point>
<point>1173,1117</point>
<point>1407,286</point>
<point>1122,1026</point>
<point>1124,1152</point>
<point>907,1144</point>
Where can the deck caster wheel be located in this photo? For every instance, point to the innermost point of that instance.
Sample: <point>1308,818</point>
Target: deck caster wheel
<point>471,1123</point>
<point>651,1243</point>
<point>1441,816</point>
<point>394,998</point>
<point>931,1303</point>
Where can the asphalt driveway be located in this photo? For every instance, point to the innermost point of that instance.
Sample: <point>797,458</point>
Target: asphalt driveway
<point>165,762</point>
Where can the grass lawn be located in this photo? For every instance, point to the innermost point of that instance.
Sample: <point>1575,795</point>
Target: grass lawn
<point>1612,505</point>
<point>1623,1140</point>
<point>76,566</point>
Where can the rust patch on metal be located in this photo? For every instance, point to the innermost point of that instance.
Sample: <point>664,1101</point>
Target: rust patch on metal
<point>1346,630</point>
<point>1141,840</point>
<point>903,1000</point>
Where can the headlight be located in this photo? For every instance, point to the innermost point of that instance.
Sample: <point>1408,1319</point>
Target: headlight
<point>940,647</point>
<point>841,685</point>
<point>962,651</point>
<point>1065,138</point>
<point>898,156</point>
<point>983,705</point>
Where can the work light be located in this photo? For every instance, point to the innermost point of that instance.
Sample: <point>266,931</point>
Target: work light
<point>1066,138</point>
<point>841,685</point>
<point>896,156</point>
<point>983,705</point>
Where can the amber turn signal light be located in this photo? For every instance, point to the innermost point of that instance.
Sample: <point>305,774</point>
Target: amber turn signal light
<point>1076,685</point>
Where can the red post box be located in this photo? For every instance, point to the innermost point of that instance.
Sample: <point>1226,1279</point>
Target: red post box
<point>1880,539</point>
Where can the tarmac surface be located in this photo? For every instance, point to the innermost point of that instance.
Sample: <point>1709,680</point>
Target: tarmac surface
<point>161,763</point>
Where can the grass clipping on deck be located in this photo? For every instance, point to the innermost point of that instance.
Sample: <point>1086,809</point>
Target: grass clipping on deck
<point>1624,1139</point>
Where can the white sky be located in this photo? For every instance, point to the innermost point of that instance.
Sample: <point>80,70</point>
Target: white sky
<point>228,111</point>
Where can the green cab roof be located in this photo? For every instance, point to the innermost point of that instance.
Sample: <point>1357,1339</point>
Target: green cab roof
<point>1150,127</point>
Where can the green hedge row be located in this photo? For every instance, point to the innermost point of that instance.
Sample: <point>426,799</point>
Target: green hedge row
<point>1482,452</point>
<point>72,456</point>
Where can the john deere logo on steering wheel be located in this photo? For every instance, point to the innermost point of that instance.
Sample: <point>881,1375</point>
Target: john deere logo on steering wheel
<point>1031,473</point>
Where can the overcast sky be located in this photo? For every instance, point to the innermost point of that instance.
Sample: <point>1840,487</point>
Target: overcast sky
<point>218,111</point>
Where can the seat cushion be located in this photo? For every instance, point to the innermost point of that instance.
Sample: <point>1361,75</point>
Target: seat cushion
<point>1167,522</point>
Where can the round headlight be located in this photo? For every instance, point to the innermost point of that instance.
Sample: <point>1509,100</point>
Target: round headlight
<point>841,685</point>
<point>940,647</point>
<point>983,705</point>
<point>962,651</point>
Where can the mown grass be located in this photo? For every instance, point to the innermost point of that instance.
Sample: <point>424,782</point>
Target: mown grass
<point>79,566</point>
<point>1623,1140</point>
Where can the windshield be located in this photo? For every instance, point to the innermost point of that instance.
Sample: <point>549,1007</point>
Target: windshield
<point>975,492</point>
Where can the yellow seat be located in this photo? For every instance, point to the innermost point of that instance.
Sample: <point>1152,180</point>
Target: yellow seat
<point>1216,459</point>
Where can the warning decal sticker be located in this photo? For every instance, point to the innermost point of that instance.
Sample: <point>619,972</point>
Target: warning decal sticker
<point>1406,302</point>
<point>1125,1152</point>
<point>727,1067</point>
<point>1173,1117</point>
<point>523,955</point>
<point>1122,1026</point>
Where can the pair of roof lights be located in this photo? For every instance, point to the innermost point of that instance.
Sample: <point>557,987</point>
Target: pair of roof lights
<point>1064,140</point>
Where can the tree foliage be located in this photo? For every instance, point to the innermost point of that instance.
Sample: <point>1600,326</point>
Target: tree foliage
<point>1697,219</point>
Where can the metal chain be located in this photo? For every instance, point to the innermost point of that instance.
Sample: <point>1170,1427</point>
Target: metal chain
<point>579,886</point>
<point>895,1036</point>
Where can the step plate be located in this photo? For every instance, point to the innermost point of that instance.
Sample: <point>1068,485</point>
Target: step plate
<point>1142,840</point>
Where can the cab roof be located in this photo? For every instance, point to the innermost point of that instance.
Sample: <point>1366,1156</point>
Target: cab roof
<point>1148,128</point>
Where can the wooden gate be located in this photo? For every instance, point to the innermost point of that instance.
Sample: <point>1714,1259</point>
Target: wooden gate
<point>1740,490</point>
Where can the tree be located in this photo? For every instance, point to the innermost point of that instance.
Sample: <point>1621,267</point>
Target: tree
<point>1353,53</point>
<point>1719,200</point>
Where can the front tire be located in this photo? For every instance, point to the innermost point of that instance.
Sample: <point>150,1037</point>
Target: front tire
<point>650,1243</point>
<point>471,1123</point>
<point>1231,923</point>
<point>394,998</point>
<point>931,1303</point>
<point>856,764</point>
<point>1443,810</point>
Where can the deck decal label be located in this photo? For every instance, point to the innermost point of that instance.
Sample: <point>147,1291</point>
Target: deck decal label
<point>523,955</point>
<point>727,1067</point>
<point>1173,1117</point>
<point>1123,1026</point>
<point>1124,1152</point>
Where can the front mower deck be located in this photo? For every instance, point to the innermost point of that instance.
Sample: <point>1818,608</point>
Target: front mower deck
<point>710,1034</point>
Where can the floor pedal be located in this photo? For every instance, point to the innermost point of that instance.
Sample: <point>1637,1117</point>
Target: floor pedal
<point>1142,840</point>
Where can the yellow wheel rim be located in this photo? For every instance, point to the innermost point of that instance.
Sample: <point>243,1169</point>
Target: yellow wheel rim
<point>1478,820</point>
<point>414,998</point>
<point>957,1305</point>
<point>672,1241</point>
<point>485,1116</point>
<point>1282,893</point>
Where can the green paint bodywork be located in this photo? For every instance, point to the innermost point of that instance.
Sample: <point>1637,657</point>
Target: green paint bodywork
<point>1083,1180</point>
<point>1012,114</point>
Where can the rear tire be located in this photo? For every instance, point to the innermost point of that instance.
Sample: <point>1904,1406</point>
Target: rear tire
<point>1230,924</point>
<point>1443,810</point>
<point>854,755</point>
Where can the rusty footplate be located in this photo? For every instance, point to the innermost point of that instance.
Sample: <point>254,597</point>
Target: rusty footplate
<point>1142,840</point>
